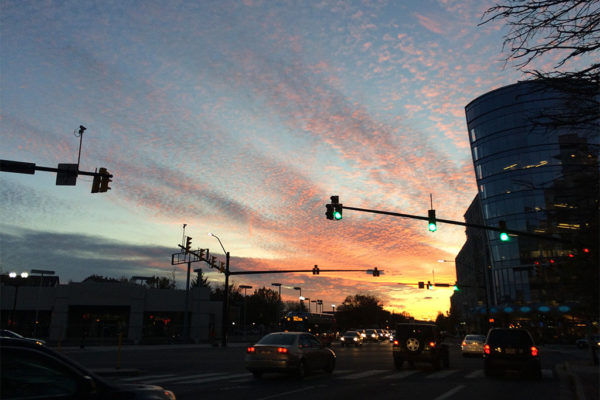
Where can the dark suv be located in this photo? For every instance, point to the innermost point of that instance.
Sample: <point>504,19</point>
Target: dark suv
<point>511,349</point>
<point>419,342</point>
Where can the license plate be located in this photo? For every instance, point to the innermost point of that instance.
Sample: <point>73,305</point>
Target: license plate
<point>511,351</point>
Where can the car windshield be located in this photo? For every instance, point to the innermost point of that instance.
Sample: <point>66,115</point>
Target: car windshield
<point>278,338</point>
<point>423,330</point>
<point>509,337</point>
<point>480,338</point>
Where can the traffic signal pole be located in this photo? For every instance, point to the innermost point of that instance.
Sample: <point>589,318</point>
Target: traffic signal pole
<point>467,224</point>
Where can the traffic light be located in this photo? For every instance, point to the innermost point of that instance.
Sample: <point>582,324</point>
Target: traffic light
<point>429,285</point>
<point>376,271</point>
<point>315,270</point>
<point>432,221</point>
<point>336,207</point>
<point>421,285</point>
<point>503,234</point>
<point>188,244</point>
<point>213,261</point>
<point>96,184</point>
<point>222,266</point>
<point>329,212</point>
<point>456,288</point>
<point>104,180</point>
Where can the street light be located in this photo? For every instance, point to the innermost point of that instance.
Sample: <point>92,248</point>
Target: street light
<point>225,317</point>
<point>17,278</point>
<point>42,272</point>
<point>333,308</point>
<point>245,306</point>
<point>278,317</point>
<point>300,297</point>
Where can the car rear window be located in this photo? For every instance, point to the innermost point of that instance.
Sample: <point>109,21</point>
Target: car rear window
<point>425,330</point>
<point>278,338</point>
<point>509,337</point>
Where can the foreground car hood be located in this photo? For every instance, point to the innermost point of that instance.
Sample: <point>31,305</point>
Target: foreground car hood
<point>145,392</point>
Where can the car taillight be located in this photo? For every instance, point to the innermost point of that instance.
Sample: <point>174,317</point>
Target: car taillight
<point>283,350</point>
<point>486,349</point>
<point>250,349</point>
<point>464,343</point>
<point>396,343</point>
<point>432,344</point>
<point>534,351</point>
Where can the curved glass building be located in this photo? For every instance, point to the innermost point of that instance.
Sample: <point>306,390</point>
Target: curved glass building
<point>535,151</point>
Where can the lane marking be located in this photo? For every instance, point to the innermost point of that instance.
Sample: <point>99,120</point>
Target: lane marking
<point>441,374</point>
<point>215,378</point>
<point>180,378</point>
<point>288,393</point>
<point>400,375</point>
<point>364,374</point>
<point>450,392</point>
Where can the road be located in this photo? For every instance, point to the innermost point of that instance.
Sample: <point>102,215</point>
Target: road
<point>194,372</point>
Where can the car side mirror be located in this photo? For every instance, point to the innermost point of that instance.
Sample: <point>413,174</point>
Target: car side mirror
<point>89,385</point>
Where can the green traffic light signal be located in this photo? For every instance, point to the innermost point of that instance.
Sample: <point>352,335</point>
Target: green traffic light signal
<point>337,215</point>
<point>432,221</point>
<point>503,233</point>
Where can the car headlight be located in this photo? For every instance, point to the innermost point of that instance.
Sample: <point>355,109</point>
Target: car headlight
<point>355,339</point>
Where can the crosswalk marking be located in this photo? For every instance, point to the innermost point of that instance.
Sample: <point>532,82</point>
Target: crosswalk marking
<point>441,374</point>
<point>400,375</point>
<point>181,378</point>
<point>137,378</point>
<point>478,373</point>
<point>346,374</point>
<point>363,374</point>
<point>215,378</point>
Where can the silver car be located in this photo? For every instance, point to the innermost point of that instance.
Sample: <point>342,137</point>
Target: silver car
<point>472,345</point>
<point>289,352</point>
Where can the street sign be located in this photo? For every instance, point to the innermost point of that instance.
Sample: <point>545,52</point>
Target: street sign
<point>67,174</point>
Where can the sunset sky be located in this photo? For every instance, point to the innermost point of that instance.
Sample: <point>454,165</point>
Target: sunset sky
<point>241,118</point>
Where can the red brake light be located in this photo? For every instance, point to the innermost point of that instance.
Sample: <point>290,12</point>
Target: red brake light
<point>431,344</point>
<point>534,351</point>
<point>250,349</point>
<point>282,350</point>
<point>486,349</point>
<point>396,343</point>
<point>464,343</point>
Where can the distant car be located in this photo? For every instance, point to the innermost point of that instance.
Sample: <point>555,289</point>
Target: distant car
<point>472,345</point>
<point>585,342</point>
<point>372,335</point>
<point>31,371</point>
<point>511,349</point>
<point>289,352</point>
<point>15,335</point>
<point>419,342</point>
<point>351,338</point>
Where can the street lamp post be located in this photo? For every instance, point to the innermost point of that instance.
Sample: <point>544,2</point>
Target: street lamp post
<point>245,307</point>
<point>42,272</point>
<point>333,308</point>
<point>299,297</point>
<point>308,301</point>
<point>17,279</point>
<point>225,317</point>
<point>278,316</point>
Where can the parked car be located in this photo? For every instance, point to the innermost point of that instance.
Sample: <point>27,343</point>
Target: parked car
<point>511,349</point>
<point>472,345</point>
<point>289,352</point>
<point>419,342</point>
<point>32,371</point>
<point>351,338</point>
<point>15,335</point>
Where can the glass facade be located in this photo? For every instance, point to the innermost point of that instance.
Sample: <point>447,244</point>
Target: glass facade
<point>535,152</point>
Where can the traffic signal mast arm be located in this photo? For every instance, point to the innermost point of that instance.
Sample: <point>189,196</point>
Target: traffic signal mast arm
<point>448,221</point>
